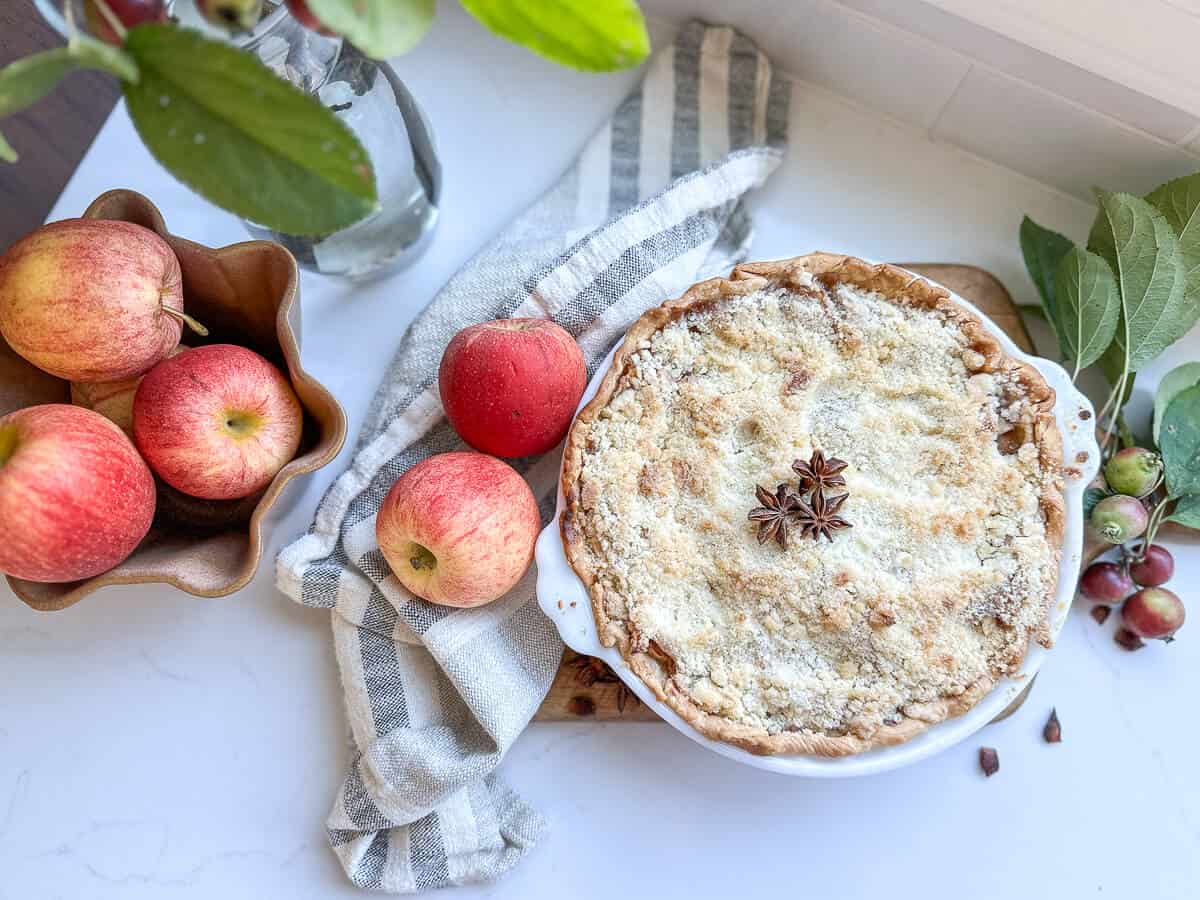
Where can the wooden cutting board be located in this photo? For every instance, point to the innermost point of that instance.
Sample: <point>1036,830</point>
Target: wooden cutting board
<point>586,688</point>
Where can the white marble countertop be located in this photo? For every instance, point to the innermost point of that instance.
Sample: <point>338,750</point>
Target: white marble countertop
<point>156,745</point>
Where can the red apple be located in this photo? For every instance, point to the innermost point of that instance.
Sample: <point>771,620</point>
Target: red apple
<point>458,528</point>
<point>75,497</point>
<point>112,399</point>
<point>1153,612</point>
<point>217,422</point>
<point>1106,582</point>
<point>510,387</point>
<point>91,300</point>
<point>128,12</point>
<point>1156,567</point>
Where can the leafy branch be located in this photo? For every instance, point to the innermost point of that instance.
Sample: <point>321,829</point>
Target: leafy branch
<point>1132,293</point>
<point>232,130</point>
<point>1119,303</point>
<point>28,80</point>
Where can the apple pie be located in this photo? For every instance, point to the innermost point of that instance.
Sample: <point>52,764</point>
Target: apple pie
<point>817,506</point>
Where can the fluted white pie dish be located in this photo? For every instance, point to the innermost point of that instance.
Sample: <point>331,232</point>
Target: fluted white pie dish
<point>563,597</point>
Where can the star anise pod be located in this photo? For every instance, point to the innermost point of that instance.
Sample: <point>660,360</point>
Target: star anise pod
<point>778,511</point>
<point>590,671</point>
<point>819,516</point>
<point>625,696</point>
<point>819,473</point>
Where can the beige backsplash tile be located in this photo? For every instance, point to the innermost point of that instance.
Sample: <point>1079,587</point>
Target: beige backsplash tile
<point>1055,140</point>
<point>1025,63</point>
<point>820,41</point>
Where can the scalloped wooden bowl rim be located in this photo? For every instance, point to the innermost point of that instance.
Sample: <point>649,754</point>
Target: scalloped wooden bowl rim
<point>328,444</point>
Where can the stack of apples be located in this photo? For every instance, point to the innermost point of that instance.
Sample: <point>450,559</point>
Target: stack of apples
<point>100,304</point>
<point>459,528</point>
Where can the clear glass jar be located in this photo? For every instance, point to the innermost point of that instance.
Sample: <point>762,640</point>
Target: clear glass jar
<point>373,102</point>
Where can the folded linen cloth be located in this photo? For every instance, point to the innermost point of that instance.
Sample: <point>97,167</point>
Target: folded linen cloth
<point>435,696</point>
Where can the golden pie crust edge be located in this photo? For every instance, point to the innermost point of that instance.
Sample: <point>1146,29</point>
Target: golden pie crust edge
<point>898,286</point>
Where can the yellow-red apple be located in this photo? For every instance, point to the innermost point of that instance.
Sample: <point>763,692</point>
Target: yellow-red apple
<point>112,399</point>
<point>91,300</point>
<point>217,422</point>
<point>75,496</point>
<point>510,387</point>
<point>458,528</point>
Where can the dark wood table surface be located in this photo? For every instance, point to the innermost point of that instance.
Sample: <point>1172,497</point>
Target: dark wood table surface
<point>53,134</point>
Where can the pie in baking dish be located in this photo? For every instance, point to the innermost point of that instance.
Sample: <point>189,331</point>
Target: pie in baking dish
<point>816,505</point>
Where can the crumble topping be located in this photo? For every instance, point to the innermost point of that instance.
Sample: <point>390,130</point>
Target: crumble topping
<point>947,572</point>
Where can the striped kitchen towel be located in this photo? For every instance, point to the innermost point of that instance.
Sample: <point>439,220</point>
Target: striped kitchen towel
<point>435,696</point>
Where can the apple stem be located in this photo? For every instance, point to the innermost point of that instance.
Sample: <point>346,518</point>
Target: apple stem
<point>8,443</point>
<point>421,558</point>
<point>186,319</point>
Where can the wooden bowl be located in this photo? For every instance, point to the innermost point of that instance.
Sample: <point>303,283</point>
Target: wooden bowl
<point>246,294</point>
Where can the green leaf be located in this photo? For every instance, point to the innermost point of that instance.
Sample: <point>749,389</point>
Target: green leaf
<point>1088,306</point>
<point>1139,244</point>
<point>1187,511</point>
<point>1043,250</point>
<point>230,129</point>
<point>1033,309</point>
<point>90,53</point>
<point>28,80</point>
<point>379,28</point>
<point>1180,443</point>
<point>1179,202</point>
<point>1091,497</point>
<point>1178,379</point>
<point>593,35</point>
<point>1112,362</point>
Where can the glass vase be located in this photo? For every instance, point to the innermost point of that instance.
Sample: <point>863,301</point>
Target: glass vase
<point>369,97</point>
<point>373,102</point>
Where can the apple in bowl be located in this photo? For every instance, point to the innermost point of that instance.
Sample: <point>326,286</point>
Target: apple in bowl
<point>458,529</point>
<point>112,399</point>
<point>90,300</point>
<point>75,497</point>
<point>217,422</point>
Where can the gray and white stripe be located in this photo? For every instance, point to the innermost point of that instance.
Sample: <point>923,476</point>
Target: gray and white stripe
<point>434,696</point>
